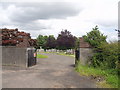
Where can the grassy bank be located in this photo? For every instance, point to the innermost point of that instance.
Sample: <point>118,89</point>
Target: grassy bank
<point>41,56</point>
<point>109,80</point>
<point>62,53</point>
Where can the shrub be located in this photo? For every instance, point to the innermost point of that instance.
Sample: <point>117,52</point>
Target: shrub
<point>106,56</point>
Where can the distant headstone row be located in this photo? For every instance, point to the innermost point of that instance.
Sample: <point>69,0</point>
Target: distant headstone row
<point>69,51</point>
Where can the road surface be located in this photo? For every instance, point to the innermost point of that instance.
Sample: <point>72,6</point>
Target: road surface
<point>56,71</point>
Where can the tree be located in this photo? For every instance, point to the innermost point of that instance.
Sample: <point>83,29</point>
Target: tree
<point>51,42</point>
<point>105,54</point>
<point>65,40</point>
<point>95,37</point>
<point>77,43</point>
<point>41,41</point>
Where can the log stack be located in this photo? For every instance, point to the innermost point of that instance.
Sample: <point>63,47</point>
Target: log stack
<point>13,37</point>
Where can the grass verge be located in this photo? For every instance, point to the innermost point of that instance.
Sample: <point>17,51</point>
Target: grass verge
<point>66,54</point>
<point>110,80</point>
<point>41,56</point>
<point>47,52</point>
<point>60,53</point>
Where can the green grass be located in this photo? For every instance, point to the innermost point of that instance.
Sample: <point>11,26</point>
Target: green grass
<point>110,80</point>
<point>48,52</point>
<point>41,56</point>
<point>60,53</point>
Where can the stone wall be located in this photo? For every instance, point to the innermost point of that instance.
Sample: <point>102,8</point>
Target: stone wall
<point>14,56</point>
<point>85,55</point>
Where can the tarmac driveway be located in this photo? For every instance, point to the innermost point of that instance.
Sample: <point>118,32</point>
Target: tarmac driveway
<point>56,71</point>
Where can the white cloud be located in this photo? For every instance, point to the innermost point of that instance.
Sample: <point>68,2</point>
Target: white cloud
<point>79,16</point>
<point>27,12</point>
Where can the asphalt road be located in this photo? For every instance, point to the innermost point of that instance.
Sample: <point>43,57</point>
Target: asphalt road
<point>56,71</point>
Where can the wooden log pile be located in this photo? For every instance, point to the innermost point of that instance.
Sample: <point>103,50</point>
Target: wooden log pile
<point>13,37</point>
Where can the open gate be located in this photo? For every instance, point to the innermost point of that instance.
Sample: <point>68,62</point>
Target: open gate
<point>31,57</point>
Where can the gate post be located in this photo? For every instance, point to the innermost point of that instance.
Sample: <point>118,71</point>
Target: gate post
<point>77,56</point>
<point>31,57</point>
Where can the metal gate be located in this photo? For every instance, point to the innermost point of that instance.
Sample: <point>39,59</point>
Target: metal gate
<point>77,56</point>
<point>31,57</point>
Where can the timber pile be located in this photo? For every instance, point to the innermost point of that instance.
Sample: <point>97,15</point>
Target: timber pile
<point>13,37</point>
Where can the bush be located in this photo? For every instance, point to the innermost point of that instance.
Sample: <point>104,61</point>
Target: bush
<point>110,76</point>
<point>106,56</point>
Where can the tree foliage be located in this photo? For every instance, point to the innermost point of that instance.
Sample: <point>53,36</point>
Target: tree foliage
<point>41,41</point>
<point>95,37</point>
<point>65,40</point>
<point>51,42</point>
<point>105,54</point>
<point>77,42</point>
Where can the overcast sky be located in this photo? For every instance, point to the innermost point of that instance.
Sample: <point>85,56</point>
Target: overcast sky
<point>50,17</point>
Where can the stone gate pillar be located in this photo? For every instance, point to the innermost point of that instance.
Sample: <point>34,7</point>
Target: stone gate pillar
<point>86,51</point>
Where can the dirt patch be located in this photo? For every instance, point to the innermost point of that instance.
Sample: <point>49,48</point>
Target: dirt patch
<point>60,73</point>
<point>97,78</point>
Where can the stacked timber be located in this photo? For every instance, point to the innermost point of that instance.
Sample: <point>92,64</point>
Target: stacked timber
<point>13,37</point>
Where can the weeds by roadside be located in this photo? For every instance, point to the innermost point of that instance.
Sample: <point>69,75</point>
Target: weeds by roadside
<point>104,78</point>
